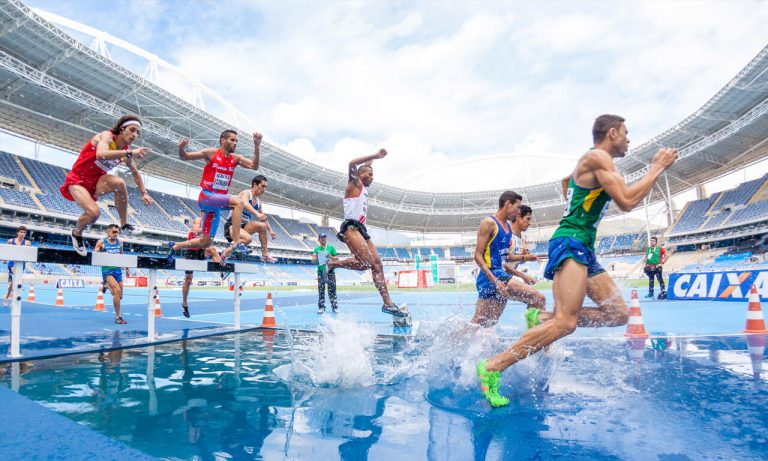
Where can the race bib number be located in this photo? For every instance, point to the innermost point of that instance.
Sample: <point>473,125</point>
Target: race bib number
<point>221,182</point>
<point>107,165</point>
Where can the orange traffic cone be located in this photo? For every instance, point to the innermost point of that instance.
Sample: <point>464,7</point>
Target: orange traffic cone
<point>269,314</point>
<point>31,295</point>
<point>756,346</point>
<point>755,320</point>
<point>100,302</point>
<point>158,311</point>
<point>60,297</point>
<point>635,326</point>
<point>268,336</point>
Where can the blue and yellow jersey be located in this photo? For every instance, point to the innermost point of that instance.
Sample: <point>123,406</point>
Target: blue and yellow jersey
<point>497,248</point>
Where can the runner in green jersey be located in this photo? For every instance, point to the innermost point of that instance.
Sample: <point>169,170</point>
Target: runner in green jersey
<point>572,263</point>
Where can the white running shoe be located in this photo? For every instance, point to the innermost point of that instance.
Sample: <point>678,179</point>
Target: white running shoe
<point>78,244</point>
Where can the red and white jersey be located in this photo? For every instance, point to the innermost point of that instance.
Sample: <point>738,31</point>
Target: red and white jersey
<point>87,165</point>
<point>217,174</point>
<point>357,207</point>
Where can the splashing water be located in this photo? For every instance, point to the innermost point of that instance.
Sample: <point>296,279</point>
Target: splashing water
<point>339,354</point>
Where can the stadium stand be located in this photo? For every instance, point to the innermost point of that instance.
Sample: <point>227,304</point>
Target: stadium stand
<point>10,169</point>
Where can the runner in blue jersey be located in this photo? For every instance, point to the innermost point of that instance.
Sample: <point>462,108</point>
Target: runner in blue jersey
<point>21,240</point>
<point>254,221</point>
<point>113,276</point>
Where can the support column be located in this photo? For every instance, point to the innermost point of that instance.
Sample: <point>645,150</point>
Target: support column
<point>152,285</point>
<point>15,349</point>
<point>237,300</point>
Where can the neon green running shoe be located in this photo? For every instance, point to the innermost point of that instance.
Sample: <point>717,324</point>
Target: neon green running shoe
<point>532,317</point>
<point>489,385</point>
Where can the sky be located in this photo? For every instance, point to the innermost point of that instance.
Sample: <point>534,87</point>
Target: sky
<point>463,95</point>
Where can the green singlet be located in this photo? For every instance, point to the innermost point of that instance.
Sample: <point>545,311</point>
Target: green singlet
<point>584,210</point>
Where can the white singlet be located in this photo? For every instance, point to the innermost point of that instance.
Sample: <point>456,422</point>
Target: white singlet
<point>357,207</point>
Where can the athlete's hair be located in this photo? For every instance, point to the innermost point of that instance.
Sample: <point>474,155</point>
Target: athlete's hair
<point>258,179</point>
<point>367,165</point>
<point>225,134</point>
<point>113,226</point>
<point>117,127</point>
<point>21,228</point>
<point>525,210</point>
<point>509,195</point>
<point>655,239</point>
<point>603,124</point>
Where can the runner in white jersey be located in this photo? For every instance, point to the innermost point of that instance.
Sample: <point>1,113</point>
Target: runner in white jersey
<point>354,234</point>
<point>254,221</point>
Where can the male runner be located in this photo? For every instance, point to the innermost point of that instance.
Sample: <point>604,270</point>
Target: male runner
<point>518,255</point>
<point>21,234</point>
<point>199,254</point>
<point>110,275</point>
<point>214,196</point>
<point>572,262</point>
<point>90,178</point>
<point>252,209</point>
<point>495,285</point>
<point>354,233</point>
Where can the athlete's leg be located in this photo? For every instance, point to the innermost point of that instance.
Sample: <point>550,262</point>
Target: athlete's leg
<point>213,253</point>
<point>611,310</point>
<point>488,311</point>
<point>377,273</point>
<point>91,210</point>
<point>246,233</point>
<point>569,289</point>
<point>109,184</point>
<point>236,203</point>
<point>361,259</point>
<point>204,241</point>
<point>260,228</point>
<point>117,293</point>
<point>519,291</point>
<point>185,288</point>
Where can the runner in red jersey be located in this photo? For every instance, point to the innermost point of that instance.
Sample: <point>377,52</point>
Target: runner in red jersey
<point>90,178</point>
<point>214,196</point>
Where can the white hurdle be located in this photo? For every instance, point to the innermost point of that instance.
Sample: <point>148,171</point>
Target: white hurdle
<point>25,254</point>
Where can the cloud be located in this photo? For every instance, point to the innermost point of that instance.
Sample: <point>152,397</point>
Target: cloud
<point>465,95</point>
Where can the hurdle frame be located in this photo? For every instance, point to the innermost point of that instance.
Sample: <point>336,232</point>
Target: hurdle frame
<point>32,254</point>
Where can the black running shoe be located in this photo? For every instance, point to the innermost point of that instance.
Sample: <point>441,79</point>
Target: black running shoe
<point>186,311</point>
<point>131,231</point>
<point>78,244</point>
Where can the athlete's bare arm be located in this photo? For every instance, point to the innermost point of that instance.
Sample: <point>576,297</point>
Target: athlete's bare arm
<point>483,237</point>
<point>599,164</point>
<point>253,163</point>
<point>206,154</point>
<point>145,197</point>
<point>99,246</point>
<point>102,142</point>
<point>353,186</point>
<point>564,183</point>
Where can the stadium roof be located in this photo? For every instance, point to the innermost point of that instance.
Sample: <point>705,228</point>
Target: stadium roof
<point>55,90</point>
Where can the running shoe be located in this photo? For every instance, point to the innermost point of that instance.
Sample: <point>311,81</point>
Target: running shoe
<point>171,252</point>
<point>241,249</point>
<point>120,321</point>
<point>78,244</point>
<point>321,310</point>
<point>649,296</point>
<point>335,310</point>
<point>490,381</point>
<point>186,310</point>
<point>532,317</point>
<point>130,230</point>
<point>394,310</point>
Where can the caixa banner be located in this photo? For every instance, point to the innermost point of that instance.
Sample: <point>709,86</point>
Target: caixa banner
<point>717,286</point>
